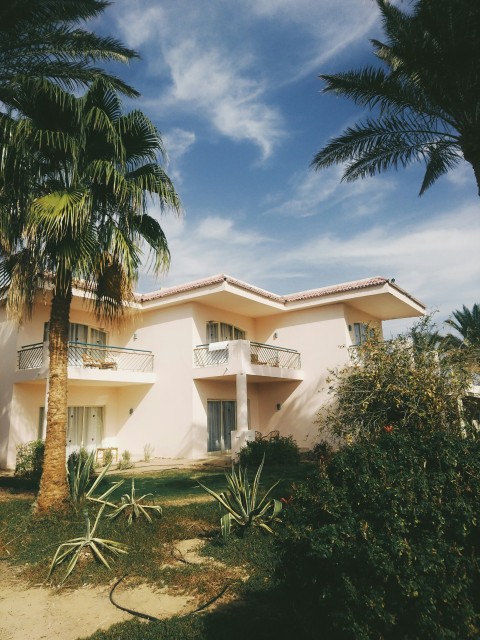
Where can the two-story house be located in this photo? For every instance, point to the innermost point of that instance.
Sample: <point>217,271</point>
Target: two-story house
<point>195,369</point>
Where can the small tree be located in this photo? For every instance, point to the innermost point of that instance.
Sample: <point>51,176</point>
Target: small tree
<point>404,383</point>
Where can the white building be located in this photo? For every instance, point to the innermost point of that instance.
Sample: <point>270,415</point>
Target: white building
<point>191,365</point>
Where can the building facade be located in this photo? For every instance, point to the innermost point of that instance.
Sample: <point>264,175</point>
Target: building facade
<point>195,369</point>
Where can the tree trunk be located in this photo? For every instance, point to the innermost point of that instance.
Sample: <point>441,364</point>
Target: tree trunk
<point>54,492</point>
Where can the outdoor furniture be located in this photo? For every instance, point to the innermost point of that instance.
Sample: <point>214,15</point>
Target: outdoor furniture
<point>273,435</point>
<point>101,453</point>
<point>90,361</point>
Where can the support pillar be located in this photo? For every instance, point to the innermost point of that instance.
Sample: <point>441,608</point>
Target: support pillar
<point>243,434</point>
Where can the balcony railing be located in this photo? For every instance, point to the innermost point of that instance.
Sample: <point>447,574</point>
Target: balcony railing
<point>90,356</point>
<point>274,356</point>
<point>208,355</point>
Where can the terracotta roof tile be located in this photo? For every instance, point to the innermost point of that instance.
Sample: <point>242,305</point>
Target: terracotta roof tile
<point>294,297</point>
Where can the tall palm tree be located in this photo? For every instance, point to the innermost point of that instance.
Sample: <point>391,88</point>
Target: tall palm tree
<point>40,41</point>
<point>85,219</point>
<point>466,323</point>
<point>425,98</point>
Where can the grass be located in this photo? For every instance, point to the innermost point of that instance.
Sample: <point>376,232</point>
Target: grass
<point>255,602</point>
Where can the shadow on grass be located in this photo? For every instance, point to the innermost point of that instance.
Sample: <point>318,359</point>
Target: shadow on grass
<point>257,616</point>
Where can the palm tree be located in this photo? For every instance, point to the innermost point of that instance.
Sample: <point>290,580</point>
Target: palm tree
<point>40,41</point>
<point>425,97</point>
<point>85,219</point>
<point>466,323</point>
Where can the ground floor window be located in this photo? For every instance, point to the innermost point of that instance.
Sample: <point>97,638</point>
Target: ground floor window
<point>221,421</point>
<point>84,427</point>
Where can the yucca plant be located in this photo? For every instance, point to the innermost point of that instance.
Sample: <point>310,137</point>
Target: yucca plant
<point>133,506</point>
<point>242,505</point>
<point>79,477</point>
<point>72,549</point>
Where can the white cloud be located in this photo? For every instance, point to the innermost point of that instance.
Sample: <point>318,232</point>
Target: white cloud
<point>434,260</point>
<point>177,143</point>
<point>314,193</point>
<point>212,83</point>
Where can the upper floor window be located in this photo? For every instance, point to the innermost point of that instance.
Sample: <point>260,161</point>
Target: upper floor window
<point>220,332</point>
<point>81,333</point>
<point>361,332</point>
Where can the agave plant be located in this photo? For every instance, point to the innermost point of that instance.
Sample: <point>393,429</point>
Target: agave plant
<point>72,549</point>
<point>79,471</point>
<point>241,503</point>
<point>133,506</point>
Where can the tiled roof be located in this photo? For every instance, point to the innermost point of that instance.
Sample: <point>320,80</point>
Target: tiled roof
<point>294,297</point>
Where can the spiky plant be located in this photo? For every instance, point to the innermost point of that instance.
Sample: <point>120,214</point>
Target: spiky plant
<point>133,506</point>
<point>72,549</point>
<point>241,504</point>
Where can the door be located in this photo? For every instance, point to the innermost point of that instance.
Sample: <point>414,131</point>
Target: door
<point>84,429</point>
<point>221,421</point>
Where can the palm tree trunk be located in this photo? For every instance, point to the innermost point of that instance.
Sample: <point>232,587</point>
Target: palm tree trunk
<point>53,494</point>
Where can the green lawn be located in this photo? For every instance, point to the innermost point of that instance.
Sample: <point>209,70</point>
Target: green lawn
<point>255,604</point>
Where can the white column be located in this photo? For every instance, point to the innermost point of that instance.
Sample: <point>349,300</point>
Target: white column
<point>242,402</point>
<point>242,435</point>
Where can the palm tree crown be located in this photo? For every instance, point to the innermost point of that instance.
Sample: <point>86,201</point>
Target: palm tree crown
<point>40,41</point>
<point>466,323</point>
<point>425,96</point>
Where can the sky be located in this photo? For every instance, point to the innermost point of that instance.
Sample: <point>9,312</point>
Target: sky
<point>233,88</point>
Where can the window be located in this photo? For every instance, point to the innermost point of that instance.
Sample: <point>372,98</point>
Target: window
<point>81,333</point>
<point>361,332</point>
<point>220,332</point>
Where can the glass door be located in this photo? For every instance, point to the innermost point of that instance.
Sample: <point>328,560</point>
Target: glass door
<point>221,421</point>
<point>84,428</point>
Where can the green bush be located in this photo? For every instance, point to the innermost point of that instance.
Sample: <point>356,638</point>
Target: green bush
<point>322,451</point>
<point>384,542</point>
<point>277,451</point>
<point>29,460</point>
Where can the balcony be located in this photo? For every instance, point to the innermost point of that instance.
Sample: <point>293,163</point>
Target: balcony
<point>89,362</point>
<point>259,361</point>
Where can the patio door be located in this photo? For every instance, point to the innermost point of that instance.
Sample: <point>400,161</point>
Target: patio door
<point>221,421</point>
<point>84,428</point>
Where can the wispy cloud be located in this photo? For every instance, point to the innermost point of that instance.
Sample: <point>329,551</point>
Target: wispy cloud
<point>214,70</point>
<point>177,143</point>
<point>435,260</point>
<point>312,193</point>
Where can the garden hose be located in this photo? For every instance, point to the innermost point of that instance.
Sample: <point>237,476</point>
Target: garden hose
<point>146,616</point>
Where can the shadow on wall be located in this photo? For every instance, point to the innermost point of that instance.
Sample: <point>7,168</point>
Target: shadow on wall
<point>5,423</point>
<point>194,444</point>
<point>297,417</point>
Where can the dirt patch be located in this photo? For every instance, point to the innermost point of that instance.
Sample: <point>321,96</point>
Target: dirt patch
<point>42,613</point>
<point>39,613</point>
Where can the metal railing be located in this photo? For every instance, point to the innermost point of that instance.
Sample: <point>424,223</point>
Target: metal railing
<point>30,356</point>
<point>274,356</point>
<point>207,356</point>
<point>204,356</point>
<point>91,356</point>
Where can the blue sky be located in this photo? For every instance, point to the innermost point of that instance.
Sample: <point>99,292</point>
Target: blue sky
<point>234,89</point>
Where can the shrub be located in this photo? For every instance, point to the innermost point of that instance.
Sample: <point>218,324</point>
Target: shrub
<point>107,457</point>
<point>277,451</point>
<point>29,460</point>
<point>405,383</point>
<point>384,542</point>
<point>148,451</point>
<point>322,452</point>
<point>126,460</point>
